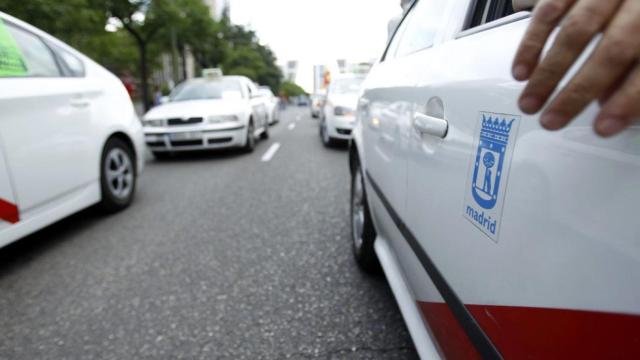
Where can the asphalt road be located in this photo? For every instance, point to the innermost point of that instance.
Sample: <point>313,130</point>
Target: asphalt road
<point>221,256</point>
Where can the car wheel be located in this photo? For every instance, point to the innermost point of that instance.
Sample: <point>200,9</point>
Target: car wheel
<point>324,135</point>
<point>118,176</point>
<point>265,133</point>
<point>363,234</point>
<point>250,143</point>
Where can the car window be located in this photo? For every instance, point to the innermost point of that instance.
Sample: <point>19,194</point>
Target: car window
<point>37,57</point>
<point>486,11</point>
<point>74,66</point>
<point>205,89</point>
<point>346,86</point>
<point>421,27</point>
<point>393,45</point>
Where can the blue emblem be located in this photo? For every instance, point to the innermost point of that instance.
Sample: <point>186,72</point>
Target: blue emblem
<point>490,158</point>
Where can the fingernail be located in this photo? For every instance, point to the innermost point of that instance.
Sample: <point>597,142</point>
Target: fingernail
<point>520,72</point>
<point>610,126</point>
<point>530,104</point>
<point>552,121</point>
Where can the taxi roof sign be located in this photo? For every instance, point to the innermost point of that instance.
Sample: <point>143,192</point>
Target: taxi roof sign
<point>212,74</point>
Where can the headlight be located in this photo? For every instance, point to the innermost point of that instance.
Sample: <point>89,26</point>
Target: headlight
<point>154,123</point>
<point>216,119</point>
<point>343,111</point>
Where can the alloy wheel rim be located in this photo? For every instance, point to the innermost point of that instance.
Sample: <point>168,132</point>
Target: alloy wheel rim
<point>357,211</point>
<point>119,173</point>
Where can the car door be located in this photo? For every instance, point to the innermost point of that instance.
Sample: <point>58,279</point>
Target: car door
<point>384,111</point>
<point>525,229</point>
<point>45,122</point>
<point>259,106</point>
<point>9,213</point>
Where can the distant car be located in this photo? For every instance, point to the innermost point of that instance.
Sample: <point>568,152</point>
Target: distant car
<point>303,100</point>
<point>69,134</point>
<point>338,116</point>
<point>272,101</point>
<point>317,102</point>
<point>210,112</point>
<point>499,239</point>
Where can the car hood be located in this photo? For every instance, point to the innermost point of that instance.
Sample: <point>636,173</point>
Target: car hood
<point>197,108</point>
<point>345,100</point>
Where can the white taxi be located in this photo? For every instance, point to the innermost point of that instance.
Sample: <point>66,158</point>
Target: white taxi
<point>211,112</point>
<point>69,134</point>
<point>338,113</point>
<point>499,239</point>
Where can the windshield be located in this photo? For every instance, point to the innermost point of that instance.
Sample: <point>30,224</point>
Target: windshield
<point>201,89</point>
<point>346,86</point>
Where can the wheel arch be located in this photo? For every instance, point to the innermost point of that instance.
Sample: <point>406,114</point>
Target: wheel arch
<point>354,157</point>
<point>127,140</point>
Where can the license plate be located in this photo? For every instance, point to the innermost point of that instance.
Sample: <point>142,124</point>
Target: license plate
<point>186,136</point>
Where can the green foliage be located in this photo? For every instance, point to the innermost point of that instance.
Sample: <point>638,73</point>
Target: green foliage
<point>168,26</point>
<point>246,56</point>
<point>290,89</point>
<point>80,25</point>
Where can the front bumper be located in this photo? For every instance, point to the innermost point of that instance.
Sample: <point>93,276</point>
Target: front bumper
<point>202,138</point>
<point>341,127</point>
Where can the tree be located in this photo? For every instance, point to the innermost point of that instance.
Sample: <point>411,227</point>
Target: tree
<point>246,56</point>
<point>142,19</point>
<point>150,28</point>
<point>73,21</point>
<point>290,89</point>
<point>80,25</point>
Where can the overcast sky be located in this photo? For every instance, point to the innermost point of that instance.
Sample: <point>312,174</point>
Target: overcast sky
<point>318,31</point>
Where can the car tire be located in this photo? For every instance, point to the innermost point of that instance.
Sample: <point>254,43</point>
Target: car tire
<point>327,140</point>
<point>117,176</point>
<point>250,143</point>
<point>363,233</point>
<point>161,155</point>
<point>265,133</point>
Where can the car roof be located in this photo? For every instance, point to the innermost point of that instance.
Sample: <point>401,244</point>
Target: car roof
<point>224,78</point>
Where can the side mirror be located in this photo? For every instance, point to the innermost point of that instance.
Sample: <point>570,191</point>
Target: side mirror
<point>165,99</point>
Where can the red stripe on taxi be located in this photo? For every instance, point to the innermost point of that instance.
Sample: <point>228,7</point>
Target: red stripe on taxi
<point>9,212</point>
<point>538,333</point>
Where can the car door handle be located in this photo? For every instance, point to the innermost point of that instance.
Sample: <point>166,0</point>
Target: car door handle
<point>430,125</point>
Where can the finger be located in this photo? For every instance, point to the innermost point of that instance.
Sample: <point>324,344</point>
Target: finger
<point>583,22</point>
<point>545,18</point>
<point>613,88</point>
<point>615,54</point>
<point>622,108</point>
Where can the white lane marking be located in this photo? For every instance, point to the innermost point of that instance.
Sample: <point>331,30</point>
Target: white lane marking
<point>271,152</point>
<point>292,126</point>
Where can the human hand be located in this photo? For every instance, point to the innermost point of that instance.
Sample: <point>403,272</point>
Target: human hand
<point>611,74</point>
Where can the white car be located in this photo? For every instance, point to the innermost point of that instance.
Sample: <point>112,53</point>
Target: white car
<point>211,112</point>
<point>339,111</point>
<point>317,102</point>
<point>69,134</point>
<point>273,104</point>
<point>498,238</point>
